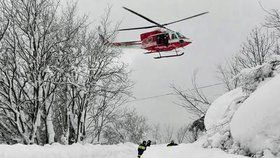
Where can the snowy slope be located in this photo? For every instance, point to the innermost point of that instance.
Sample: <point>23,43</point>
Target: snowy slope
<point>219,108</point>
<point>126,150</point>
<point>256,124</point>
<point>246,120</point>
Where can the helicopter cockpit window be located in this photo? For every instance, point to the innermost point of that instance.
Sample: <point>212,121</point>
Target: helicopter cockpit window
<point>173,36</point>
<point>180,36</point>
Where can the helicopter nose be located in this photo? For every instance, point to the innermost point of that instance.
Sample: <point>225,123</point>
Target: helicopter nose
<point>184,42</point>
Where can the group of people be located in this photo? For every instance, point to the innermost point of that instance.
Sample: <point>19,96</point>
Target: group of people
<point>142,147</point>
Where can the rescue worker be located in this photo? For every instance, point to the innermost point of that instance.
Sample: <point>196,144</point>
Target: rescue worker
<point>149,143</point>
<point>172,143</point>
<point>165,40</point>
<point>141,148</point>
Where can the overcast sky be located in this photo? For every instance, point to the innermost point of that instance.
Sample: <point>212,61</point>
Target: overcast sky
<point>216,36</point>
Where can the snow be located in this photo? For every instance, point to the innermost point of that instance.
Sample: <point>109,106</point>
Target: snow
<point>218,139</point>
<point>217,121</point>
<point>246,120</point>
<point>127,150</point>
<point>186,150</point>
<point>256,124</point>
<point>219,108</point>
<point>251,77</point>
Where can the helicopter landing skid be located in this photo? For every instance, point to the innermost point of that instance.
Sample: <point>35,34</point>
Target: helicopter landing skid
<point>169,56</point>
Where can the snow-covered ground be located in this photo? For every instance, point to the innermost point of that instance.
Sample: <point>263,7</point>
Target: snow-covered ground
<point>186,150</point>
<point>127,150</point>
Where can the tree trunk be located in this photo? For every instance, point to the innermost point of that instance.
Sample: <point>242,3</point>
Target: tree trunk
<point>49,125</point>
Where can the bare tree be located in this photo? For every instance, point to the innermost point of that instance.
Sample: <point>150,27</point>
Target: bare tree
<point>196,104</point>
<point>4,26</point>
<point>256,49</point>
<point>156,133</point>
<point>193,100</point>
<point>168,133</point>
<point>227,72</point>
<point>184,135</point>
<point>273,20</point>
<point>127,127</point>
<point>102,115</point>
<point>181,134</point>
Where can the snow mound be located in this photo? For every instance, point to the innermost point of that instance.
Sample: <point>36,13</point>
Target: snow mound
<point>127,150</point>
<point>256,124</point>
<point>185,150</point>
<point>221,106</point>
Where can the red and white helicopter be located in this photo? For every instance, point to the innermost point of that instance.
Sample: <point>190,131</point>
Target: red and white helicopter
<point>159,40</point>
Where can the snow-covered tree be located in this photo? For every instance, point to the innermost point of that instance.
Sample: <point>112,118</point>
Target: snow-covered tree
<point>54,72</point>
<point>256,50</point>
<point>29,77</point>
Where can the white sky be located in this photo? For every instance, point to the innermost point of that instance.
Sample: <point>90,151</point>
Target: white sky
<point>216,36</point>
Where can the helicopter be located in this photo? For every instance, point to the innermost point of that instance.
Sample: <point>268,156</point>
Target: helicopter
<point>159,40</point>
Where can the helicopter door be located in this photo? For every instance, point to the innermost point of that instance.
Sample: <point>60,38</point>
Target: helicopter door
<point>162,39</point>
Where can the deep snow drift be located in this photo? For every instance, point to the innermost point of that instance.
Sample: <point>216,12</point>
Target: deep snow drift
<point>246,120</point>
<point>127,150</point>
<point>216,115</point>
<point>256,124</point>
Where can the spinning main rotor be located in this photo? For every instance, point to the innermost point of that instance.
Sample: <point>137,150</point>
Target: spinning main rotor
<point>155,23</point>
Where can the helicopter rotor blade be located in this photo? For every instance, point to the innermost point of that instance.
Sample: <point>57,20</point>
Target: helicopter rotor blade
<point>138,28</point>
<point>157,24</point>
<point>190,17</point>
<point>151,21</point>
